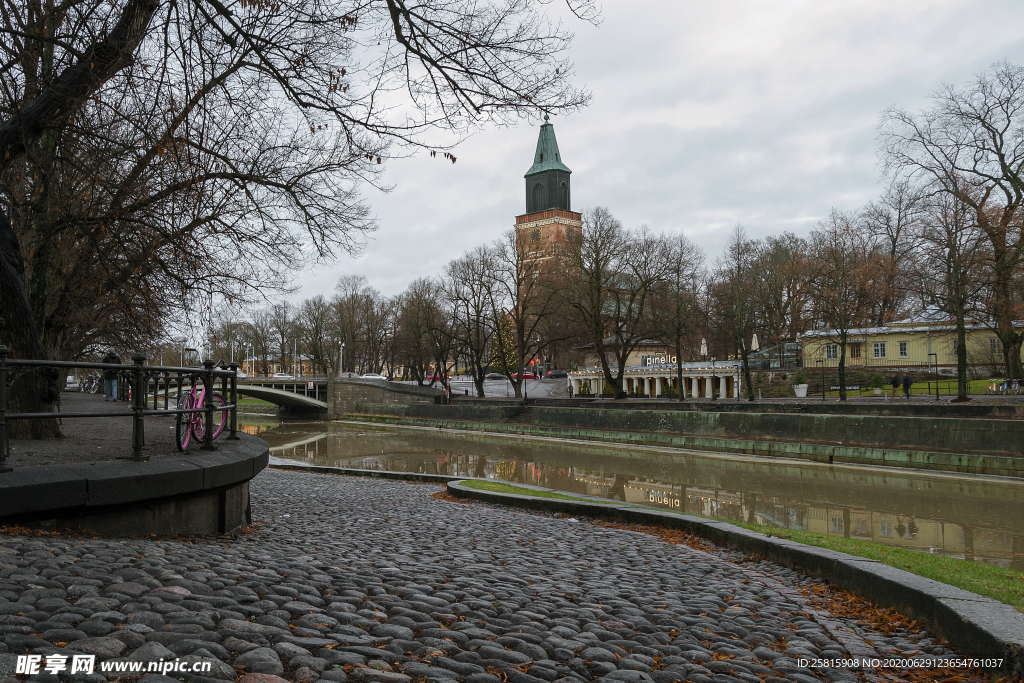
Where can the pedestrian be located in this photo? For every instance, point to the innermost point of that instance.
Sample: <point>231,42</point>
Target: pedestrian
<point>906,386</point>
<point>895,382</point>
<point>110,377</point>
<point>570,389</point>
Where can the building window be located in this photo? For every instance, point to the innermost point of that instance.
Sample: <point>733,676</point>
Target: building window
<point>855,350</point>
<point>831,351</point>
<point>993,346</point>
<point>904,349</point>
<point>535,234</point>
<point>879,349</point>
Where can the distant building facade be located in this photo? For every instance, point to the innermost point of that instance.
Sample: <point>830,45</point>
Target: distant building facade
<point>925,340</point>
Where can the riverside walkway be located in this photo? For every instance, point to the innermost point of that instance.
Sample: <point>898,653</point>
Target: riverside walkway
<point>361,579</point>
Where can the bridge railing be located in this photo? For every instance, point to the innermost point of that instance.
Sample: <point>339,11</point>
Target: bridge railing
<point>145,384</point>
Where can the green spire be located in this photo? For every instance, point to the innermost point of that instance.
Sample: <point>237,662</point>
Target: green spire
<point>546,158</point>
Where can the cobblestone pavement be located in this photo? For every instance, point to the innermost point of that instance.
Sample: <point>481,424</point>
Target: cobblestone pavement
<point>372,580</point>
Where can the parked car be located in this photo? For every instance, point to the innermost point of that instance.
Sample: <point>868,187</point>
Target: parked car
<point>72,384</point>
<point>556,374</point>
<point>282,375</point>
<point>526,375</point>
<point>372,375</point>
<point>494,375</point>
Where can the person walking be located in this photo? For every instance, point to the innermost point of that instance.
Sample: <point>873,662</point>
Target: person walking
<point>110,377</point>
<point>906,386</point>
<point>895,382</point>
<point>570,389</point>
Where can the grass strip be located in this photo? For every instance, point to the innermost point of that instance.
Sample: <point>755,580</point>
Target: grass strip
<point>998,583</point>
<point>499,487</point>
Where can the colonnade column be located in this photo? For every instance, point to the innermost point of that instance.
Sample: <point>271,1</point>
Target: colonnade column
<point>736,387</point>
<point>723,390</point>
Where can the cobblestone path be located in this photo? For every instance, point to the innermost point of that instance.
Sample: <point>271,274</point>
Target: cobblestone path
<point>372,580</point>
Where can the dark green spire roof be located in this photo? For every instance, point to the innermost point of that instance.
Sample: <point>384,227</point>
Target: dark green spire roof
<point>546,158</point>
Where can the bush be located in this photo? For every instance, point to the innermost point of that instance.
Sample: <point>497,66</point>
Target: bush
<point>800,377</point>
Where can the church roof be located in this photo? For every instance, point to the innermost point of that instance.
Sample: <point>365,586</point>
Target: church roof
<point>547,158</point>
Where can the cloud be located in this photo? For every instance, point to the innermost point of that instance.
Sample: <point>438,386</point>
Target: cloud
<point>704,115</point>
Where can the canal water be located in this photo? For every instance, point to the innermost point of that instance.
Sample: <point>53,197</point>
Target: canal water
<point>979,518</point>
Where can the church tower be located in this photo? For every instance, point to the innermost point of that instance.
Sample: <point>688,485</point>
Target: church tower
<point>549,221</point>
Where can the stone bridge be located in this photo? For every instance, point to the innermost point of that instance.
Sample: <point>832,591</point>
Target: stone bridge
<point>335,398</point>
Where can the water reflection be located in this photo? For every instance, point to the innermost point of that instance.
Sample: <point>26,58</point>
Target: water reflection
<point>970,517</point>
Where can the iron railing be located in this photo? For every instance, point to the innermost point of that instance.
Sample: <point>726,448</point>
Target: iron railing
<point>146,384</point>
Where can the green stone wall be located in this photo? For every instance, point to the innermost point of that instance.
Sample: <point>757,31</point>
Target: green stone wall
<point>981,446</point>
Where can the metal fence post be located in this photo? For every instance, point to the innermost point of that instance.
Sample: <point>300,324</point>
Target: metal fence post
<point>4,444</point>
<point>234,401</point>
<point>208,388</point>
<point>138,405</point>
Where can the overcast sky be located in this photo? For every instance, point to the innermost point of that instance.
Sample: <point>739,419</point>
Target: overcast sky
<point>704,116</point>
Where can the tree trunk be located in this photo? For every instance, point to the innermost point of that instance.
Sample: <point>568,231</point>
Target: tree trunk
<point>961,359</point>
<point>745,355</point>
<point>32,391</point>
<point>842,368</point>
<point>679,369</point>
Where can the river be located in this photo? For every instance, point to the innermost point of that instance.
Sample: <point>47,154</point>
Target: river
<point>973,517</point>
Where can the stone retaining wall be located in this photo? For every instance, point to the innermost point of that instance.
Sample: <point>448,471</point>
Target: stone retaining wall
<point>977,446</point>
<point>353,394</point>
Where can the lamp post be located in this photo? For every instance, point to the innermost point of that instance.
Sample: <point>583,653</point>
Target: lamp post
<point>934,358</point>
<point>704,355</point>
<point>341,361</point>
<point>755,346</point>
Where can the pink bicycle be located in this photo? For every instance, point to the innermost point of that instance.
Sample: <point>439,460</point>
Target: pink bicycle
<point>192,425</point>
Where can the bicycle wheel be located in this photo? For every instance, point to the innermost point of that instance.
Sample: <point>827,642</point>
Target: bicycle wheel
<point>220,414</point>
<point>183,423</point>
<point>199,422</point>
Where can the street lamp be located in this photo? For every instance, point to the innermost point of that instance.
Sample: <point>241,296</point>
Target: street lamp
<point>935,371</point>
<point>341,361</point>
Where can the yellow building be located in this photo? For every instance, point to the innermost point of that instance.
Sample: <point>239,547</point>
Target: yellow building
<point>924,341</point>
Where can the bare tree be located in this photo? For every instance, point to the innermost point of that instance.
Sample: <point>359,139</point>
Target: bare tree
<point>318,329</point>
<point>782,274</point>
<point>894,221</point>
<point>613,276</point>
<point>848,277</point>
<point>469,288</point>
<point>282,324</point>
<point>262,330</point>
<point>968,145</point>
<point>419,315</point>
<point>677,300</point>
<point>735,302</point>
<point>951,270</point>
<point>119,141</point>
<point>523,296</point>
